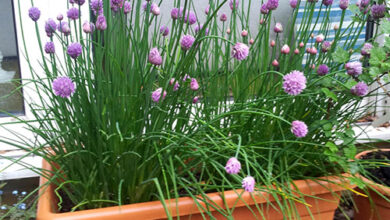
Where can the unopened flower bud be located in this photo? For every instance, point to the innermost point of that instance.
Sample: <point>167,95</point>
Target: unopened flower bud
<point>228,31</point>
<point>296,51</point>
<point>244,33</point>
<point>301,44</point>
<point>272,43</point>
<point>320,38</point>
<point>285,49</point>
<point>275,63</point>
<point>251,41</point>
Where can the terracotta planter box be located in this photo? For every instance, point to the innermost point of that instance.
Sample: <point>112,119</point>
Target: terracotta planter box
<point>381,208</point>
<point>321,209</point>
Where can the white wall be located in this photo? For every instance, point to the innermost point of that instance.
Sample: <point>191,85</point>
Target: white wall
<point>7,37</point>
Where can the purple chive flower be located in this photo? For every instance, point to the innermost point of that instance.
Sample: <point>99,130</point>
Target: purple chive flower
<point>223,17</point>
<point>326,45</point>
<point>240,51</point>
<point>344,4</point>
<point>278,28</point>
<point>299,128</point>
<point>74,50</point>
<point>34,13</point>
<point>190,18</point>
<point>79,2</point>
<point>164,30</point>
<point>155,57</point>
<point>176,86</point>
<point>195,99</point>
<point>116,5</point>
<point>264,10</point>
<point>60,17</point>
<point>63,86</point>
<point>97,7</point>
<point>176,13</point>
<point>360,89</point>
<point>366,49</point>
<point>234,4</point>
<point>194,84</point>
<point>354,68</point>
<point>248,183</point>
<point>186,42</point>
<point>64,28</point>
<point>156,95</point>
<point>88,27</point>
<point>327,2</point>
<point>127,7</point>
<point>101,23</point>
<point>186,76</point>
<point>378,11</point>
<point>50,27</point>
<point>155,9</point>
<point>322,70</point>
<point>207,10</point>
<point>233,166</point>
<point>73,13</point>
<point>363,3</point>
<point>293,3</point>
<point>200,27</point>
<point>294,83</point>
<point>272,4</point>
<point>49,48</point>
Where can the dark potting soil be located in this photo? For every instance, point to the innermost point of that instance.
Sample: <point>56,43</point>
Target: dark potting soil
<point>67,204</point>
<point>381,173</point>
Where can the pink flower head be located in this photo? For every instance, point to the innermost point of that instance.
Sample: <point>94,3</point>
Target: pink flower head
<point>101,23</point>
<point>278,27</point>
<point>187,41</point>
<point>116,5</point>
<point>88,27</point>
<point>264,10</point>
<point>49,48</point>
<point>64,28</point>
<point>294,83</point>
<point>50,27</point>
<point>378,11</point>
<point>190,17</point>
<point>155,9</point>
<point>322,70</point>
<point>233,166</point>
<point>207,10</point>
<point>248,183</point>
<point>73,13</point>
<point>327,2</point>
<point>34,13</point>
<point>223,17</point>
<point>233,4</point>
<point>344,4</point>
<point>155,57</point>
<point>360,89</point>
<point>326,45</point>
<point>366,49</point>
<point>293,3</point>
<point>176,13</point>
<point>63,86</point>
<point>194,84</point>
<point>175,83</point>
<point>354,68</point>
<point>272,4</point>
<point>164,30</point>
<point>240,51</point>
<point>156,95</point>
<point>320,38</point>
<point>299,128</point>
<point>74,50</point>
<point>127,7</point>
<point>97,7</point>
<point>285,49</point>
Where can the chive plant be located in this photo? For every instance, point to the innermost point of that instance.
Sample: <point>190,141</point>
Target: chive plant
<point>133,110</point>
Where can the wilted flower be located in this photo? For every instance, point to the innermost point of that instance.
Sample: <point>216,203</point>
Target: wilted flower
<point>194,84</point>
<point>73,13</point>
<point>195,99</point>
<point>248,183</point>
<point>320,38</point>
<point>155,57</point>
<point>127,7</point>
<point>88,27</point>
<point>63,86</point>
<point>176,13</point>
<point>293,3</point>
<point>233,166</point>
<point>240,51</point>
<point>97,6</point>
<point>49,47</point>
<point>378,11</point>
<point>74,50</point>
<point>50,27</point>
<point>354,68</point>
<point>186,42</point>
<point>366,49</point>
<point>264,9</point>
<point>164,30</point>
<point>64,28</point>
<point>278,27</point>
<point>156,95</point>
<point>223,17</point>
<point>327,2</point>
<point>233,4</point>
<point>322,70</point>
<point>60,17</point>
<point>344,4</point>
<point>294,83</point>
<point>285,49</point>
<point>272,4</point>
<point>299,128</point>
<point>190,17</point>
<point>326,45</point>
<point>360,89</point>
<point>34,13</point>
<point>101,23</point>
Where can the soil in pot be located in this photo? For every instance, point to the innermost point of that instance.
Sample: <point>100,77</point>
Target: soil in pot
<point>381,174</point>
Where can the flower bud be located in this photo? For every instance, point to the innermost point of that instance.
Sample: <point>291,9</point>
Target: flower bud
<point>272,43</point>
<point>278,28</point>
<point>251,41</point>
<point>301,44</point>
<point>228,31</point>
<point>296,51</point>
<point>60,17</point>
<point>275,63</point>
<point>285,49</point>
<point>320,38</point>
<point>244,33</point>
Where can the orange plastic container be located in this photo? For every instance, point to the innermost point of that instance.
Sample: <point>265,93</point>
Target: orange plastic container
<point>320,209</point>
<point>380,208</point>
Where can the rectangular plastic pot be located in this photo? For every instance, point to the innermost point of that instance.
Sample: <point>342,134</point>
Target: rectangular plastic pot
<point>321,208</point>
